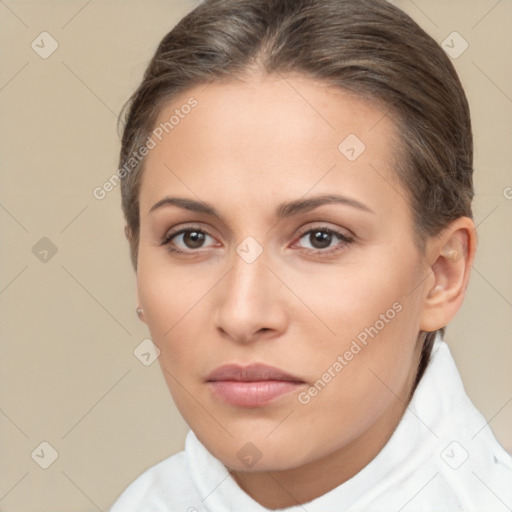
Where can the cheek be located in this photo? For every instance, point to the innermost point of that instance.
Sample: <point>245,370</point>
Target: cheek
<point>373,320</point>
<point>175,301</point>
<point>166,292</point>
<point>350,298</point>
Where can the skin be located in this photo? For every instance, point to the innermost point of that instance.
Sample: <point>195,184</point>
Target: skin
<point>247,147</point>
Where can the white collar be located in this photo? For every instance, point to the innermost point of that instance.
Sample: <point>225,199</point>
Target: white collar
<point>425,428</point>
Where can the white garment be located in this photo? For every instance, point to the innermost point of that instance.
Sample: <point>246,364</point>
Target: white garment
<point>441,457</point>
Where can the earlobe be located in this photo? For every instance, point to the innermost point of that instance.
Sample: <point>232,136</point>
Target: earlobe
<point>452,255</point>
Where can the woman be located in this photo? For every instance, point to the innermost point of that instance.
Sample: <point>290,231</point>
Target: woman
<point>297,187</point>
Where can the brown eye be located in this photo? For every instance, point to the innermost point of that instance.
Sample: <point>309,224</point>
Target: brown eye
<point>186,240</point>
<point>324,238</point>
<point>320,239</point>
<point>193,239</point>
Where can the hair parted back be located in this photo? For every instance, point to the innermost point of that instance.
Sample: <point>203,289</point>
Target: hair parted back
<point>369,47</point>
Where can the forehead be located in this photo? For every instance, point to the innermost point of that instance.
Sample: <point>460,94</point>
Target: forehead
<point>275,133</point>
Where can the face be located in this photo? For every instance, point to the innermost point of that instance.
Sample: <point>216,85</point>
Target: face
<point>274,232</point>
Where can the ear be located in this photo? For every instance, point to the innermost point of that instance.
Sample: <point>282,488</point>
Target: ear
<point>451,256</point>
<point>127,232</point>
<point>128,235</point>
<point>139,309</point>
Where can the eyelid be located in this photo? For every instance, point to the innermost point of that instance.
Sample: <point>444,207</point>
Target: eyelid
<point>184,229</point>
<point>345,239</point>
<point>323,227</point>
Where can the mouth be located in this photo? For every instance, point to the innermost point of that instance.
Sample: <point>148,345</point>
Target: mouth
<point>251,386</point>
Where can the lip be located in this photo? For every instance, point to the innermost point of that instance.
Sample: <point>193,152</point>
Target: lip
<point>251,373</point>
<point>255,385</point>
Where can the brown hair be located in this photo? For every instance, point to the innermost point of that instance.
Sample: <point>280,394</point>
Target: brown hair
<point>368,47</point>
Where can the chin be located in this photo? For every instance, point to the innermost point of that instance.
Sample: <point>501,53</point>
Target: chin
<point>250,453</point>
<point>274,463</point>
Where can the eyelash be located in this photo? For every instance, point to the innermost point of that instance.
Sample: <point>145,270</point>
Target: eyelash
<point>344,240</point>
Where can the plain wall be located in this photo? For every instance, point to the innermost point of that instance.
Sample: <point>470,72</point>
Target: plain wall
<point>68,375</point>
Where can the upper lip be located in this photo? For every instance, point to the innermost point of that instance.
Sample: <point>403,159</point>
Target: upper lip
<point>253,372</point>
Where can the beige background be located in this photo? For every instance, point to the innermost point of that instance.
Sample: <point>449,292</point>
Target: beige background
<point>68,373</point>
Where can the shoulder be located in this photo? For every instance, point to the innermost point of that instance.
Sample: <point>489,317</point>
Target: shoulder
<point>468,466</point>
<point>161,488</point>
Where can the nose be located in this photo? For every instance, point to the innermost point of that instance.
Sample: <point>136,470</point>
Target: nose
<point>250,303</point>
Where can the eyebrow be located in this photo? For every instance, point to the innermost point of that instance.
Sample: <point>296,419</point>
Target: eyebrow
<point>284,210</point>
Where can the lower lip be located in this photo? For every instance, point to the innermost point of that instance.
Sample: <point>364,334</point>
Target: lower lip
<point>252,394</point>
